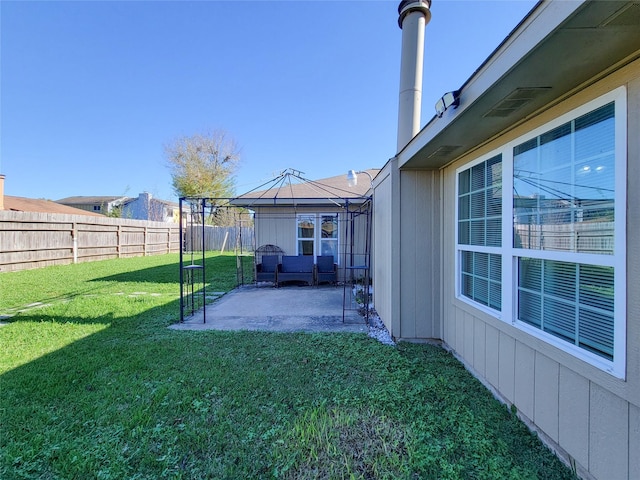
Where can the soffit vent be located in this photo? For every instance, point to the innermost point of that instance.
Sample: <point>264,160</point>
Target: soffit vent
<point>444,151</point>
<point>514,101</point>
<point>627,16</point>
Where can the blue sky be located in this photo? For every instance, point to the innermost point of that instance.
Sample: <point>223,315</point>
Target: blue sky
<point>92,91</point>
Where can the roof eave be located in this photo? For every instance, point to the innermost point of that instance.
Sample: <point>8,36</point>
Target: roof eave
<point>296,202</point>
<point>554,33</point>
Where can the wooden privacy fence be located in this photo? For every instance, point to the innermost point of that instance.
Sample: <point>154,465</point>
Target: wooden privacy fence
<point>219,238</point>
<point>31,240</point>
<point>584,237</point>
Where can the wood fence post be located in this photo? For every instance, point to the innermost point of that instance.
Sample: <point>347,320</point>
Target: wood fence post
<point>224,243</point>
<point>119,235</point>
<point>74,236</point>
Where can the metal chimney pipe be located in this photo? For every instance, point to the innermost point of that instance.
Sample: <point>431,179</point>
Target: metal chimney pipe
<point>413,18</point>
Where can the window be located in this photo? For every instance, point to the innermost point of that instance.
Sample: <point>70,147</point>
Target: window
<point>563,186</point>
<point>329,235</point>
<point>571,301</point>
<point>541,232</point>
<point>306,234</point>
<point>563,200</point>
<point>479,232</point>
<point>318,241</point>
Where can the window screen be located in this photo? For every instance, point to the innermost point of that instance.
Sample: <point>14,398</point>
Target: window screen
<point>480,224</point>
<point>568,300</point>
<point>480,204</point>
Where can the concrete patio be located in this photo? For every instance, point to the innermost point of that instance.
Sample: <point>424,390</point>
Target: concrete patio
<point>285,309</point>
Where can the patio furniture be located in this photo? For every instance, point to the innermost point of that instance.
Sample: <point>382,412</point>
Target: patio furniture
<point>326,270</point>
<point>267,271</point>
<point>268,250</point>
<point>295,269</point>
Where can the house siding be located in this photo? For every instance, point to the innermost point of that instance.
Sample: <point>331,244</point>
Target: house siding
<point>145,207</point>
<point>573,414</point>
<point>608,434</point>
<point>590,414</point>
<point>277,226</point>
<point>409,281</point>
<point>419,262</point>
<point>634,438</point>
<point>91,208</point>
<point>546,402</point>
<point>382,246</point>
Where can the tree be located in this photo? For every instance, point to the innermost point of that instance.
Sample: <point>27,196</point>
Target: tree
<point>203,165</point>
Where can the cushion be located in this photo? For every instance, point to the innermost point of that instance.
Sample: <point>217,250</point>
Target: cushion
<point>300,263</point>
<point>269,263</point>
<point>325,263</point>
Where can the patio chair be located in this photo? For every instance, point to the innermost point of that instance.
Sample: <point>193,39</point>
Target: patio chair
<point>267,270</point>
<point>267,250</point>
<point>326,270</point>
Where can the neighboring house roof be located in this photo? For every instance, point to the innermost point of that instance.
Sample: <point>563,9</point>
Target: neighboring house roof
<point>558,48</point>
<point>291,189</point>
<point>90,200</point>
<point>169,203</point>
<point>21,204</point>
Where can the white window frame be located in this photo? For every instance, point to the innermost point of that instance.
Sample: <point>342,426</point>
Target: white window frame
<point>510,254</point>
<point>336,240</point>
<point>460,248</point>
<point>314,218</point>
<point>317,233</point>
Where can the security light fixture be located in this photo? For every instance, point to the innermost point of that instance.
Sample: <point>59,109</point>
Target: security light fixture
<point>352,177</point>
<point>449,99</point>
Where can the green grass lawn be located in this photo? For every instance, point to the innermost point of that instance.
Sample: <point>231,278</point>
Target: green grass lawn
<point>93,385</point>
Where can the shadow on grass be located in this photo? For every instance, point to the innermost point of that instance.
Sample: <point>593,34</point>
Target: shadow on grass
<point>220,272</point>
<point>125,397</point>
<point>118,396</point>
<point>81,302</point>
<point>97,388</point>
<point>80,402</point>
<point>169,273</point>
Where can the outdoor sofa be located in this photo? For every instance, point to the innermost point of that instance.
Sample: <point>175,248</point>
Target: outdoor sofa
<point>295,268</point>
